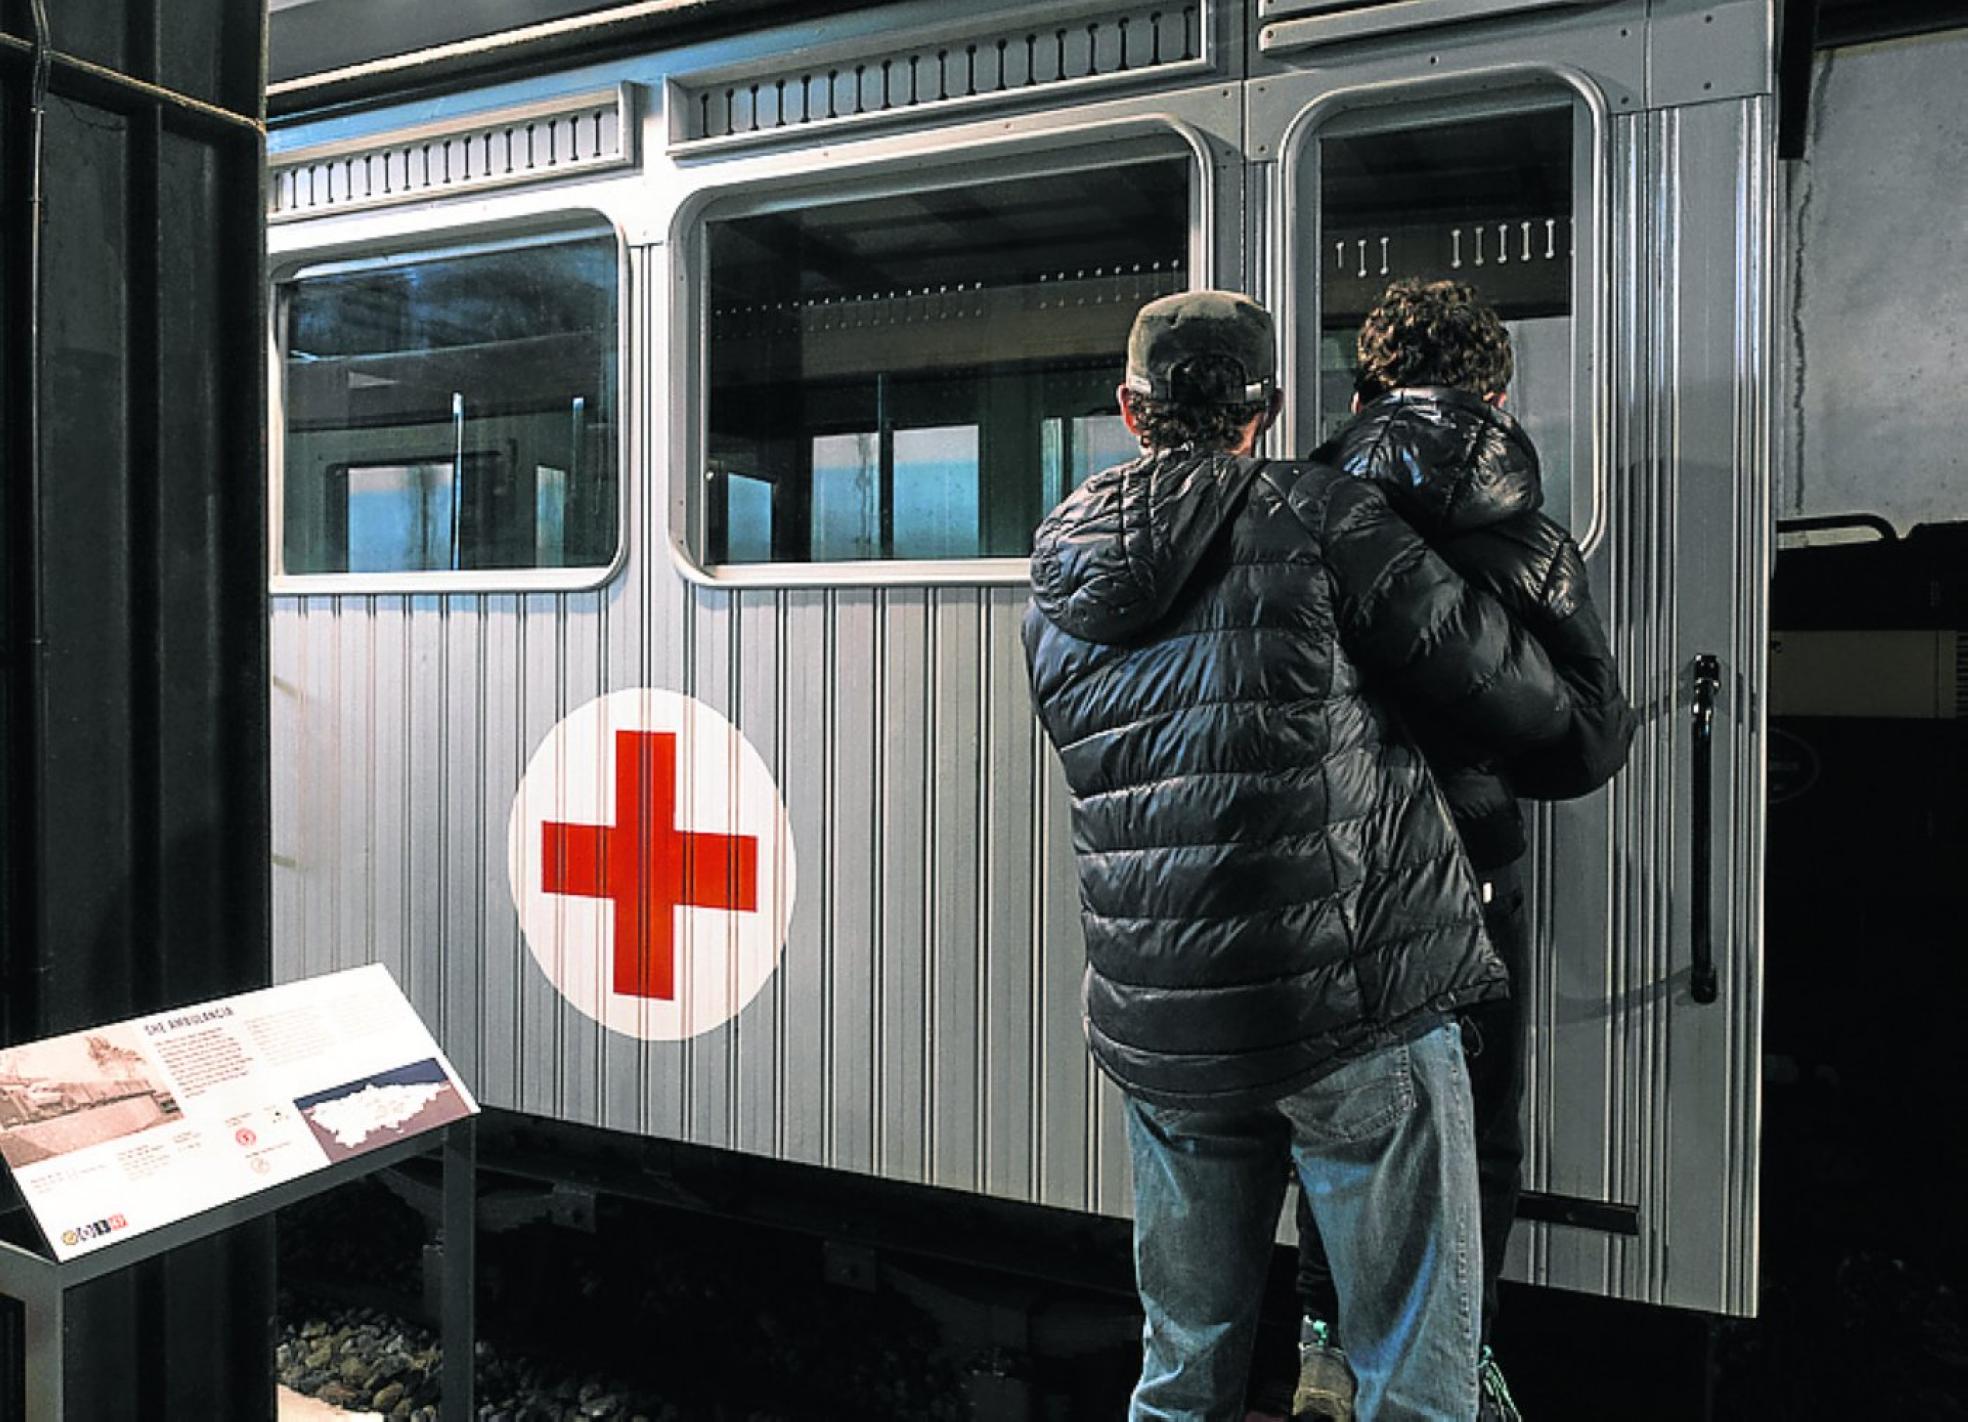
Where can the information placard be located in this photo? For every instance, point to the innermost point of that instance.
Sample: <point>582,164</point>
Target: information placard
<point>122,1128</point>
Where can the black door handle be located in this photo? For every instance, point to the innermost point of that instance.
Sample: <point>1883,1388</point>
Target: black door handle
<point>1708,681</point>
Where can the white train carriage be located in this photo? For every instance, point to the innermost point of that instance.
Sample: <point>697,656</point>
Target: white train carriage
<point>657,447</point>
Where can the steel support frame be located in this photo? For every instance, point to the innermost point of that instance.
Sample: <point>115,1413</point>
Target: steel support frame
<point>42,1284</point>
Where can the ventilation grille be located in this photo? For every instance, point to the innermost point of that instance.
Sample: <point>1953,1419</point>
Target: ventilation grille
<point>1106,45</point>
<point>1326,22</point>
<point>530,144</point>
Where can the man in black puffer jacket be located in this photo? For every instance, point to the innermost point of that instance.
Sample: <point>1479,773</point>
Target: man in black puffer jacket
<point>1280,923</point>
<point>1430,430</point>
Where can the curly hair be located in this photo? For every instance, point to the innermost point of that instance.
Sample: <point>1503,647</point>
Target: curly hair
<point>1193,423</point>
<point>1167,424</point>
<point>1432,333</point>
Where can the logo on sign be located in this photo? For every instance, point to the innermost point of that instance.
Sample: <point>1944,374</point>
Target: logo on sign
<point>83,1233</point>
<point>651,861</point>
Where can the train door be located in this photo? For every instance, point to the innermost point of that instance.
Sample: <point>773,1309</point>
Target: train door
<point>1615,208</point>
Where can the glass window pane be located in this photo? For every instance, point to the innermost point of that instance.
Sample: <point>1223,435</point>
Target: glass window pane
<point>399,517</point>
<point>1083,446</point>
<point>846,496</point>
<point>1100,442</point>
<point>936,501</point>
<point>1485,201</point>
<point>453,412</point>
<point>751,516</point>
<point>909,372</point>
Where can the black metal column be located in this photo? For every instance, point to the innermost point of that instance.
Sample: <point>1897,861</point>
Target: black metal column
<point>133,726</point>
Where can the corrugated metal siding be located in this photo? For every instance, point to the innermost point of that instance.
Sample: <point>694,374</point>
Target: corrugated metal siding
<point>1638,1095</point>
<point>924,1021</point>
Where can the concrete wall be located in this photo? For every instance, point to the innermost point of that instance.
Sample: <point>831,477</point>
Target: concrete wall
<point>1874,330</point>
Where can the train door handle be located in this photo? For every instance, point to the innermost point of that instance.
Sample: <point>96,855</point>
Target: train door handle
<point>1708,681</point>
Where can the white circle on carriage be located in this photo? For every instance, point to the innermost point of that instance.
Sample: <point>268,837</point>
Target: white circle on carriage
<point>651,861</point>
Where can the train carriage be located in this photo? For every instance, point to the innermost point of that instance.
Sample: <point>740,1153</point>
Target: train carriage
<point>658,440</point>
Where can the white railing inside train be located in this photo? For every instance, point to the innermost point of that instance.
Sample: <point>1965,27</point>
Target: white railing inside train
<point>964,300</point>
<point>1478,244</point>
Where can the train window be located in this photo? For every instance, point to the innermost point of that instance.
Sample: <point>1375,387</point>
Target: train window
<point>453,412</point>
<point>1486,200</point>
<point>920,376</point>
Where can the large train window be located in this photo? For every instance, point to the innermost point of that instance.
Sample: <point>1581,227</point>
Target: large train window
<point>1485,199</point>
<point>452,411</point>
<point>919,376</point>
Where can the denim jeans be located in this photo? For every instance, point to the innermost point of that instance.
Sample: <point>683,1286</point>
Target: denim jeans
<point>1493,1045</point>
<point>1385,1152</point>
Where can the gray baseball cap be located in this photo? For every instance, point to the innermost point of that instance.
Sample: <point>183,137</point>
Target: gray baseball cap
<point>1203,348</point>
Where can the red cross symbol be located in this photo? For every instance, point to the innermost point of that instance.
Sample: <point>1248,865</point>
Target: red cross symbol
<point>647,865</point>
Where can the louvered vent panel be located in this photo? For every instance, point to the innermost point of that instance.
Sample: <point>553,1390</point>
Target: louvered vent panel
<point>1107,45</point>
<point>534,143</point>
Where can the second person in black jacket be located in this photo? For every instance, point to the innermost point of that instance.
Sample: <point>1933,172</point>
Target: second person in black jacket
<point>1279,922</point>
<point>1431,431</point>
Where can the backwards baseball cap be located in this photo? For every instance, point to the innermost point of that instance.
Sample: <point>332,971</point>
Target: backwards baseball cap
<point>1203,348</point>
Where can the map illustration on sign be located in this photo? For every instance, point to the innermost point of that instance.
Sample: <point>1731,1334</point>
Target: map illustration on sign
<point>362,1115</point>
<point>651,861</point>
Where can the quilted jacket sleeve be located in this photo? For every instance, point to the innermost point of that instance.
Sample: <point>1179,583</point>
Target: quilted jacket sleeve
<point>1443,646</point>
<point>1595,747</point>
<point>1535,569</point>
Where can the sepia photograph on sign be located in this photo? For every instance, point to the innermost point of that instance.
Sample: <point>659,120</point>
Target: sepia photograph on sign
<point>76,1091</point>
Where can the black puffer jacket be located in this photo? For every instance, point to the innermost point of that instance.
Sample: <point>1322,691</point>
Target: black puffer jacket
<point>1269,881</point>
<point>1466,476</point>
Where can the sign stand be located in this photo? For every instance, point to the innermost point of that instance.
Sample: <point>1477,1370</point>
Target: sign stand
<point>42,1284</point>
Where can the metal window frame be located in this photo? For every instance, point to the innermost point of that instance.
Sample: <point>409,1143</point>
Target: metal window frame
<point>1476,91</point>
<point>940,164</point>
<point>398,247</point>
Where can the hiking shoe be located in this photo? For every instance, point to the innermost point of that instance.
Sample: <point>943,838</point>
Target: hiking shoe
<point>1497,1403</point>
<point>1325,1381</point>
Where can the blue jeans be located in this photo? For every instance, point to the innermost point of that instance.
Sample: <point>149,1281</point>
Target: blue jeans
<point>1493,1049</point>
<point>1386,1155</point>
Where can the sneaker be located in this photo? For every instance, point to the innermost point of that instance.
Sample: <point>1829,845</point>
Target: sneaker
<point>1325,1380</point>
<point>1497,1403</point>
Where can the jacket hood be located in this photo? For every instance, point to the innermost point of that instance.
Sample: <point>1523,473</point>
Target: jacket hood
<point>1448,461</point>
<point>1111,560</point>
